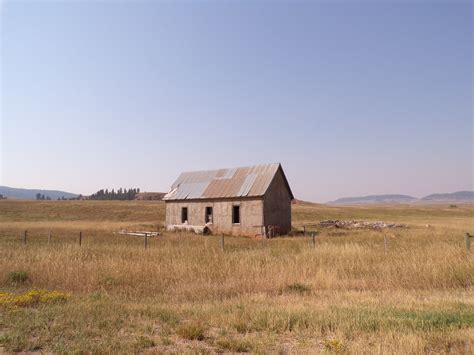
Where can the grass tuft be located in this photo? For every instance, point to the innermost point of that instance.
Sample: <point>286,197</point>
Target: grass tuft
<point>298,287</point>
<point>334,345</point>
<point>143,343</point>
<point>18,277</point>
<point>234,345</point>
<point>191,331</point>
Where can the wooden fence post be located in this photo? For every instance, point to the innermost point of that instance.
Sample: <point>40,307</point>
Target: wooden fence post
<point>222,242</point>
<point>24,238</point>
<point>80,238</point>
<point>467,238</point>
<point>313,236</point>
<point>49,237</point>
<point>146,240</point>
<point>304,230</point>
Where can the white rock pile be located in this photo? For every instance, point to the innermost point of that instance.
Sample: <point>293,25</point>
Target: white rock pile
<point>358,224</point>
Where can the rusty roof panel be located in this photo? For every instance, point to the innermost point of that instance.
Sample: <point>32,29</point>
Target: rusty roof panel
<point>223,183</point>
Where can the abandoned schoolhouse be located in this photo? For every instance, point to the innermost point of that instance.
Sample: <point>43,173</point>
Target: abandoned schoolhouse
<point>253,200</point>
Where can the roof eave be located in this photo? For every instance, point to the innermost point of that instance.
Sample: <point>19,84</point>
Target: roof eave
<point>202,199</point>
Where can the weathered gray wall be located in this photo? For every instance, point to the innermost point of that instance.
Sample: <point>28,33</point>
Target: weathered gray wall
<point>251,215</point>
<point>277,204</point>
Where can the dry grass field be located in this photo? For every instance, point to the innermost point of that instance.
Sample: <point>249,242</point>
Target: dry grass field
<point>183,294</point>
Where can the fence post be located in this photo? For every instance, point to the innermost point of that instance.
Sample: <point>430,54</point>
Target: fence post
<point>313,236</point>
<point>80,238</point>
<point>467,238</point>
<point>24,238</point>
<point>304,230</point>
<point>49,237</point>
<point>222,242</point>
<point>385,243</point>
<point>146,240</point>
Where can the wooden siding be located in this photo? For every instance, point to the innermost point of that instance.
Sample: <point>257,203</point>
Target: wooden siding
<point>277,204</point>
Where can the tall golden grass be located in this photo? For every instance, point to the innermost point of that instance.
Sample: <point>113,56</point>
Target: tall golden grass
<point>352,292</point>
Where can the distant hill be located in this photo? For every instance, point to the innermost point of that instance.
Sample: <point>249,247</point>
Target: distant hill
<point>373,199</point>
<point>302,202</point>
<point>30,194</point>
<point>459,196</point>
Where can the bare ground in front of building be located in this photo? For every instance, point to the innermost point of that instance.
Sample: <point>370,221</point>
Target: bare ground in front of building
<point>396,290</point>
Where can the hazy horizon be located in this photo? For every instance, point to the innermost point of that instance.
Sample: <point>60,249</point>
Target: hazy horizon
<point>296,197</point>
<point>353,98</point>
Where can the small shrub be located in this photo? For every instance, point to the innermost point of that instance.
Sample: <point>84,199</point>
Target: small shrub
<point>166,316</point>
<point>298,288</point>
<point>109,282</point>
<point>166,341</point>
<point>453,206</point>
<point>334,345</point>
<point>142,343</point>
<point>4,340</point>
<point>12,343</point>
<point>242,326</point>
<point>191,331</point>
<point>97,296</point>
<point>234,345</point>
<point>18,277</point>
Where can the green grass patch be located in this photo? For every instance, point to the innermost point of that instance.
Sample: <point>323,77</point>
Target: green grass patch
<point>394,319</point>
<point>432,320</point>
<point>18,277</point>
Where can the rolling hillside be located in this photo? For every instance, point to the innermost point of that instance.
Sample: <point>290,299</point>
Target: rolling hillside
<point>30,194</point>
<point>373,199</point>
<point>459,196</point>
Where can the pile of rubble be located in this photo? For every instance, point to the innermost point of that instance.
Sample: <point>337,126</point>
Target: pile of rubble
<point>358,224</point>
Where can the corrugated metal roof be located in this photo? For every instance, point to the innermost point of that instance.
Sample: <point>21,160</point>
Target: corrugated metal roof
<point>223,183</point>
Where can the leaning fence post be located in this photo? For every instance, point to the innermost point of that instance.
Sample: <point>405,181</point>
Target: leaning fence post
<point>80,238</point>
<point>222,242</point>
<point>24,238</point>
<point>467,238</point>
<point>49,237</point>
<point>146,240</point>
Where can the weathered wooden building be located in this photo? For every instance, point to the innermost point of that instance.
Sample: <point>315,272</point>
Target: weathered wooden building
<point>240,201</point>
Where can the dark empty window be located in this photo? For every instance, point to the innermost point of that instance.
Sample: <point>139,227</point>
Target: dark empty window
<point>235,214</point>
<point>184,214</point>
<point>208,217</point>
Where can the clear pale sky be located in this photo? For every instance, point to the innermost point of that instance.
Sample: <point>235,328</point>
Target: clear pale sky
<point>353,98</point>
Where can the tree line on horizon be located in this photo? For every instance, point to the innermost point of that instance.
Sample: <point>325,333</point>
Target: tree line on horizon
<point>120,194</point>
